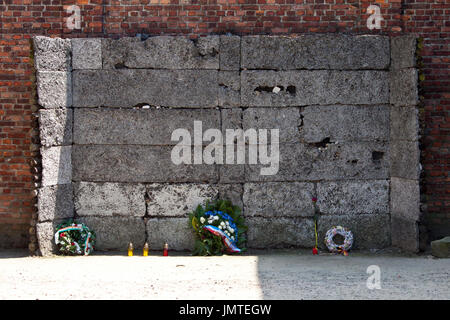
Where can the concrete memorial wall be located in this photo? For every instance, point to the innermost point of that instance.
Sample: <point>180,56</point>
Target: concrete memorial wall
<point>341,121</point>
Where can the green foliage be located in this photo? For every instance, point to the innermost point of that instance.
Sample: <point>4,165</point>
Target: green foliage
<point>68,240</point>
<point>208,244</point>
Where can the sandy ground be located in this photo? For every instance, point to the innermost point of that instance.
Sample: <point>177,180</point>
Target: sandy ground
<point>281,274</point>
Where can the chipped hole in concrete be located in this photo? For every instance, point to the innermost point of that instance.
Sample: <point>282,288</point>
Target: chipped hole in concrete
<point>120,65</point>
<point>324,143</point>
<point>142,105</point>
<point>377,155</point>
<point>264,89</point>
<point>291,90</point>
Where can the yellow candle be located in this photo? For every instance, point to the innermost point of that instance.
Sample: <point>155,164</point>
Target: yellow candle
<point>130,249</point>
<point>145,251</point>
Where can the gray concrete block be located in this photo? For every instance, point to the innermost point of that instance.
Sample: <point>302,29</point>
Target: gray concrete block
<point>229,89</point>
<point>130,163</point>
<point>370,231</point>
<point>326,51</point>
<point>304,87</point>
<point>131,87</point>
<point>232,192</point>
<point>231,119</point>
<point>86,53</point>
<point>175,231</point>
<point>286,120</point>
<point>403,52</point>
<point>405,159</point>
<point>404,123</point>
<point>404,87</point>
<point>405,234</point>
<point>56,165</point>
<point>441,248</point>
<point>280,233</point>
<point>52,54</point>
<point>161,52</point>
<point>115,233</point>
<point>232,173</point>
<point>353,197</point>
<point>171,200</point>
<point>54,89</point>
<point>350,160</point>
<point>55,127</point>
<point>344,123</point>
<point>278,199</point>
<point>109,199</point>
<point>55,202</point>
<point>230,52</point>
<point>45,232</point>
<point>139,126</point>
<point>405,199</point>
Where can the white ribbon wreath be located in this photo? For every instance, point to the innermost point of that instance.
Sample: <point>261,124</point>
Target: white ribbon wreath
<point>348,239</point>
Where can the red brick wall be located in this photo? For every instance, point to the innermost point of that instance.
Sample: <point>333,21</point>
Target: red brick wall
<point>21,19</point>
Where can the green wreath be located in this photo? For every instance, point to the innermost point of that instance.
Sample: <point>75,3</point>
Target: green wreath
<point>72,238</point>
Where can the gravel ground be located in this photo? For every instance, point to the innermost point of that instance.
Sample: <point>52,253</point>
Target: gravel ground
<point>280,274</point>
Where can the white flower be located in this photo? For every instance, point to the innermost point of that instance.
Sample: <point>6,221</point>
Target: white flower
<point>232,238</point>
<point>202,220</point>
<point>220,227</point>
<point>231,230</point>
<point>227,223</point>
<point>216,217</point>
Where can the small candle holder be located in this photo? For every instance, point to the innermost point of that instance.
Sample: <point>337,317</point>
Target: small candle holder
<point>130,249</point>
<point>145,250</point>
<point>166,249</point>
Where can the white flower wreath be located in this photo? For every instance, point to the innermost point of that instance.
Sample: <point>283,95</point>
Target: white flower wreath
<point>348,239</point>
